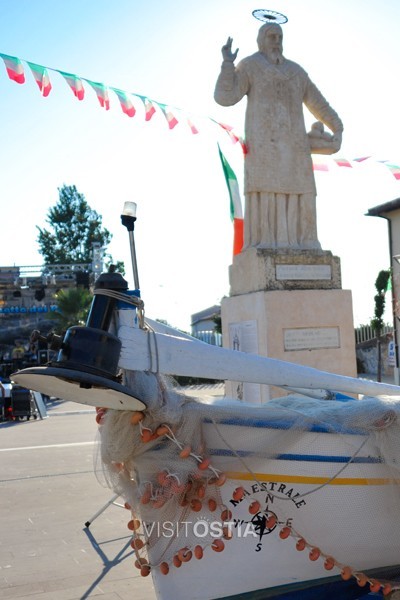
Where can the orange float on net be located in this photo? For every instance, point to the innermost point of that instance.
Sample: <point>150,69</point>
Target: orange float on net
<point>186,556</point>
<point>177,561</point>
<point>361,579</point>
<point>329,563</point>
<point>374,585</point>
<point>134,524</point>
<point>204,464</point>
<point>146,496</point>
<point>196,505</point>
<point>127,506</point>
<point>140,562</point>
<point>284,533</point>
<point>137,544</point>
<point>346,573</point>
<point>301,544</point>
<point>271,521</point>
<point>99,417</point>
<point>218,545</point>
<point>176,487</point>
<point>117,466</point>
<point>238,494</point>
<point>146,435</point>
<point>162,430</point>
<point>212,504</point>
<point>159,503</point>
<point>181,552</point>
<point>387,589</point>
<point>185,452</point>
<point>164,568</point>
<point>254,507</point>
<point>162,478</point>
<point>226,515</point>
<point>198,552</point>
<point>227,533</point>
<point>137,417</point>
<point>315,553</point>
<point>201,492</point>
<point>145,571</point>
<point>221,479</point>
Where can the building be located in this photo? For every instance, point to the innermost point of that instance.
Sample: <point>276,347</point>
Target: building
<point>204,326</point>
<point>391,212</point>
<point>29,293</point>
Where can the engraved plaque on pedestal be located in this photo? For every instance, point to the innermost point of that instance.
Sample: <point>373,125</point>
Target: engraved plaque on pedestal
<point>303,272</point>
<point>311,338</point>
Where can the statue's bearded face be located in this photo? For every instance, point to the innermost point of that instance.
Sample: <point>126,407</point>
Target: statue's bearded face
<point>270,42</point>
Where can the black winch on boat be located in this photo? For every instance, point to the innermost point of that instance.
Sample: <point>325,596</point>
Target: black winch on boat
<point>86,369</point>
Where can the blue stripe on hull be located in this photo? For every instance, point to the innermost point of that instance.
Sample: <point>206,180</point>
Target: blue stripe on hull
<point>302,457</point>
<point>288,424</point>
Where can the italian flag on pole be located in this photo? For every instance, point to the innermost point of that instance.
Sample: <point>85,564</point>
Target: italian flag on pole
<point>235,204</point>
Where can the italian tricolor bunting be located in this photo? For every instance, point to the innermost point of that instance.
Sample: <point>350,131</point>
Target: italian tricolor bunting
<point>75,83</point>
<point>14,68</point>
<point>101,93</point>
<point>41,77</point>
<point>126,104</point>
<point>235,204</point>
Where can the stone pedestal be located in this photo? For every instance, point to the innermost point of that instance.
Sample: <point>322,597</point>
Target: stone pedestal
<point>288,304</point>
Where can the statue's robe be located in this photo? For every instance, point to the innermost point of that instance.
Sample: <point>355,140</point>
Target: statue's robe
<point>278,160</point>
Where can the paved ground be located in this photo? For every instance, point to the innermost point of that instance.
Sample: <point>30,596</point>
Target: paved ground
<point>48,490</point>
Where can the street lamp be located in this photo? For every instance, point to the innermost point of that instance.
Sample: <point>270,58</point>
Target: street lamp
<point>128,219</point>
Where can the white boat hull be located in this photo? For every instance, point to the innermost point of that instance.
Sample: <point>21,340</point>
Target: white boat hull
<point>352,516</point>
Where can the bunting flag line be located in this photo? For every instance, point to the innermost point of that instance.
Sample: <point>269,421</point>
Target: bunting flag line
<point>15,71</point>
<point>41,77</point>
<point>343,162</point>
<point>395,170</point>
<point>75,83</point>
<point>14,68</point>
<point>171,119</point>
<point>235,138</point>
<point>320,165</point>
<point>126,104</point>
<point>101,93</point>
<point>149,108</point>
<point>235,204</point>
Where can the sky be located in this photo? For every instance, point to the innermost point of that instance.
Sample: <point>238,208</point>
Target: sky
<point>170,51</point>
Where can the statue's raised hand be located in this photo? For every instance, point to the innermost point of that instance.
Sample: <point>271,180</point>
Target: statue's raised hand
<point>227,53</point>
<point>337,140</point>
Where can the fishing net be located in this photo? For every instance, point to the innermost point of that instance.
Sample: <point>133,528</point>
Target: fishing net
<point>196,473</point>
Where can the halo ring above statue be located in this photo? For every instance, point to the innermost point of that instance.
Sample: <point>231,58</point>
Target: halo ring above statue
<point>269,16</point>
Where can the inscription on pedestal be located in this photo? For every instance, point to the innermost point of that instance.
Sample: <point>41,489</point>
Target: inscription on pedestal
<point>311,338</point>
<point>303,272</point>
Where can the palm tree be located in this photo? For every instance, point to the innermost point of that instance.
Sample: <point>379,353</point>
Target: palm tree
<point>72,308</point>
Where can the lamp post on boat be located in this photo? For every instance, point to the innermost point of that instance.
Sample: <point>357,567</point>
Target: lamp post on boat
<point>128,219</point>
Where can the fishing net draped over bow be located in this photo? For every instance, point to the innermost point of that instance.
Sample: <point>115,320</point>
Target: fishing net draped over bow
<point>173,463</point>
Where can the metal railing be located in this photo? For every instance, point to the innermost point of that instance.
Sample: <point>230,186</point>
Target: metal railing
<point>209,337</point>
<point>365,333</point>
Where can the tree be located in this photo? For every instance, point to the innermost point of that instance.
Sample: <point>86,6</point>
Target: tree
<point>381,286</point>
<point>72,308</point>
<point>75,227</point>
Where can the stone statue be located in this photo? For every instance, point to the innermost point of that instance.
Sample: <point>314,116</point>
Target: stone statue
<point>279,183</point>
